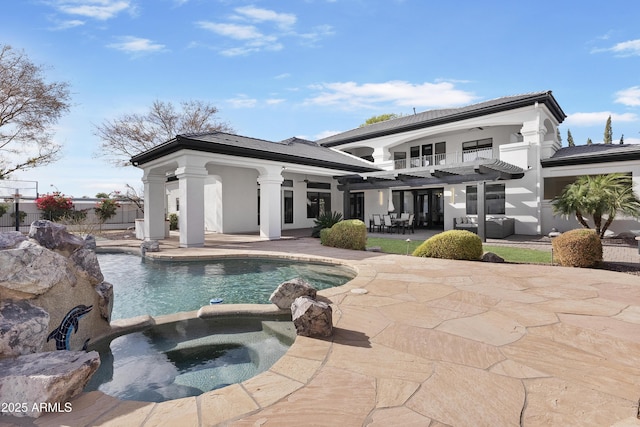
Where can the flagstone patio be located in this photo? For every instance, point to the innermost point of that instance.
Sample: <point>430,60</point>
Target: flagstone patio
<point>432,343</point>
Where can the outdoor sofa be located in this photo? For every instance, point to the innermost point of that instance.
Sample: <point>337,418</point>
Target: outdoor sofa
<point>496,228</point>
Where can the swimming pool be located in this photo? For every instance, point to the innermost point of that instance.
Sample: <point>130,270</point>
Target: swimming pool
<point>164,287</point>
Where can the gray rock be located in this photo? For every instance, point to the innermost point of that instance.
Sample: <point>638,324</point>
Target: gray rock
<point>55,236</point>
<point>288,291</point>
<point>105,304</point>
<point>51,378</point>
<point>90,242</point>
<point>87,262</point>
<point>312,318</point>
<point>11,239</point>
<point>23,328</point>
<point>491,257</point>
<point>149,246</point>
<point>32,270</point>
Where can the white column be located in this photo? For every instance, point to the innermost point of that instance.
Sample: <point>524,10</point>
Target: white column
<point>191,223</point>
<point>270,181</point>
<point>154,206</point>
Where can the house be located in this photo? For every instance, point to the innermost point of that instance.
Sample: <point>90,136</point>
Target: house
<point>437,165</point>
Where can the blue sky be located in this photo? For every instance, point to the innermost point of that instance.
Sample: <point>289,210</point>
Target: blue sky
<point>277,69</point>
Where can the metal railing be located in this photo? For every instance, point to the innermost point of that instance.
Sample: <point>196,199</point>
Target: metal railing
<point>445,158</point>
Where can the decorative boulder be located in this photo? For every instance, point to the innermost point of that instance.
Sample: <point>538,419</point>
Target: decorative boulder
<point>23,328</point>
<point>149,246</point>
<point>45,379</point>
<point>288,291</point>
<point>312,318</point>
<point>55,237</point>
<point>491,257</point>
<point>11,239</point>
<point>55,271</point>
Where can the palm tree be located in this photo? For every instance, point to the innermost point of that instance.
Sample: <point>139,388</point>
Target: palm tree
<point>598,196</point>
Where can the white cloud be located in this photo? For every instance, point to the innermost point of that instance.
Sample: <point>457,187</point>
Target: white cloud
<point>136,45</point>
<point>624,49</point>
<point>351,95</point>
<point>234,31</point>
<point>284,21</point>
<point>96,9</point>
<point>630,96</point>
<point>275,101</point>
<point>65,25</point>
<point>242,101</point>
<point>259,30</point>
<point>598,118</point>
<point>283,76</point>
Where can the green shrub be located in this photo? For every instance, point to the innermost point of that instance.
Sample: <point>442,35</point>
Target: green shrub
<point>173,221</point>
<point>452,244</point>
<point>578,248</point>
<point>348,234</point>
<point>325,220</point>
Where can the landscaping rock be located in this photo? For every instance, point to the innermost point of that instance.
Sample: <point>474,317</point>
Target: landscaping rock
<point>51,378</point>
<point>312,318</point>
<point>23,328</point>
<point>491,257</point>
<point>30,270</point>
<point>58,278</point>
<point>55,237</point>
<point>11,239</point>
<point>149,246</point>
<point>288,291</point>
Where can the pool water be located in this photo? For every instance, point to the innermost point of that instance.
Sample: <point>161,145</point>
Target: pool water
<point>164,287</point>
<point>188,358</point>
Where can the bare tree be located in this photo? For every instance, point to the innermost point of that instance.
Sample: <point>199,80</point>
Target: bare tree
<point>131,134</point>
<point>29,108</point>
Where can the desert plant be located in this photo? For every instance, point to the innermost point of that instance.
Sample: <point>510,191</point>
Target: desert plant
<point>173,221</point>
<point>106,209</point>
<point>325,220</point>
<point>3,209</point>
<point>452,244</point>
<point>578,248</point>
<point>601,197</point>
<point>348,234</point>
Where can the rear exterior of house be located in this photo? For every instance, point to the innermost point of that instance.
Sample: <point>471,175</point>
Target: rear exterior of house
<point>436,165</point>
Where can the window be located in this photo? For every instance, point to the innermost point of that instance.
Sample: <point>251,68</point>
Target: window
<point>495,199</point>
<point>400,159</point>
<point>288,206</point>
<point>318,203</point>
<point>319,185</point>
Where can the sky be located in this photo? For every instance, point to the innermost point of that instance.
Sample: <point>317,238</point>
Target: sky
<point>312,68</point>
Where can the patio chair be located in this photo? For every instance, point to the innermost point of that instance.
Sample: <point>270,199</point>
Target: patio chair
<point>377,223</point>
<point>404,215</point>
<point>410,224</point>
<point>388,224</point>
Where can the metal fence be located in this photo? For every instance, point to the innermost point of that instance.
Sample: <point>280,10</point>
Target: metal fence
<point>83,217</point>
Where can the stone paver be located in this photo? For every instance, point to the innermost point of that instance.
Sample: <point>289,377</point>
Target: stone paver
<point>433,342</point>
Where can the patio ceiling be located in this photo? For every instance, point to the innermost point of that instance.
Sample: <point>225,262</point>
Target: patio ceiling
<point>477,170</point>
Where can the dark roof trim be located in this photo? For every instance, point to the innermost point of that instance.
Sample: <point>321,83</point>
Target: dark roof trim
<point>587,160</point>
<point>183,142</point>
<point>491,107</point>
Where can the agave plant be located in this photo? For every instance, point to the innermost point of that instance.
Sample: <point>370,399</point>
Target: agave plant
<point>325,220</point>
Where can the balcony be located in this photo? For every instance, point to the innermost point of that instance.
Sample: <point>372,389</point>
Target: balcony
<point>445,158</point>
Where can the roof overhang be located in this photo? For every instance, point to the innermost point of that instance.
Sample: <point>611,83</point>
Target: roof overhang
<point>601,157</point>
<point>185,143</point>
<point>478,170</point>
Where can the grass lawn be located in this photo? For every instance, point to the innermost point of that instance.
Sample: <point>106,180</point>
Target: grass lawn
<point>510,254</point>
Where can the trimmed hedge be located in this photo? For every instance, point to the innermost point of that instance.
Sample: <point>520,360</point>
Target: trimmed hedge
<point>452,244</point>
<point>578,248</point>
<point>348,234</point>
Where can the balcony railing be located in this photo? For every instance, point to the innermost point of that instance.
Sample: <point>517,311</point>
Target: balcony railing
<point>445,158</point>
